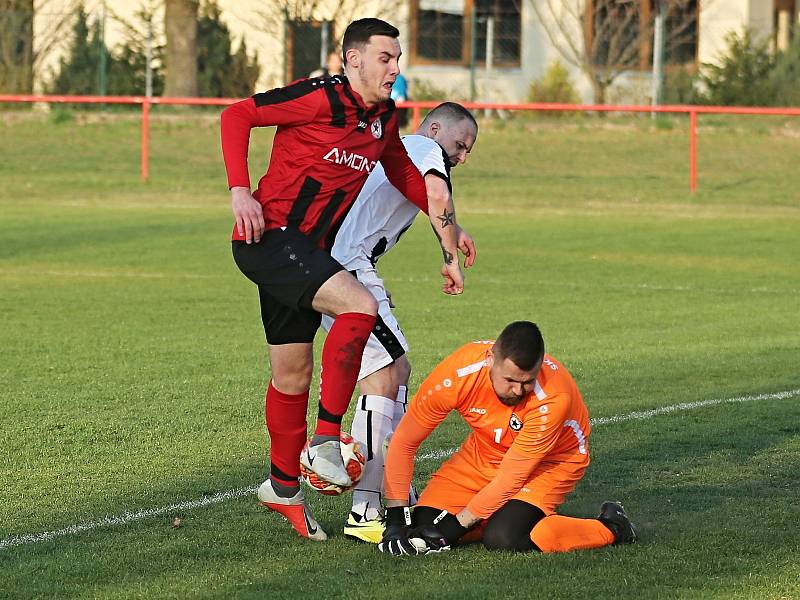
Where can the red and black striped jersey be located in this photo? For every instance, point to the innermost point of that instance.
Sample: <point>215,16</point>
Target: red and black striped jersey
<point>326,144</point>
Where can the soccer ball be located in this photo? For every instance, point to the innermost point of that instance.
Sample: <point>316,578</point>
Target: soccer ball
<point>354,463</point>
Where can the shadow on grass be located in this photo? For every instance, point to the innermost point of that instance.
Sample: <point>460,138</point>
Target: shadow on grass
<point>731,184</point>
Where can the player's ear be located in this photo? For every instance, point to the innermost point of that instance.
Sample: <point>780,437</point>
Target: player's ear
<point>435,128</point>
<point>489,358</point>
<point>353,57</point>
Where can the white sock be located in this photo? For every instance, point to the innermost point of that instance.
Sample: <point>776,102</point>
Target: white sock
<point>371,424</point>
<point>400,404</point>
<point>400,407</point>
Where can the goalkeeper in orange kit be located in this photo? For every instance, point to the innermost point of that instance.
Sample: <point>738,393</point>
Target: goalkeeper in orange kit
<point>528,448</point>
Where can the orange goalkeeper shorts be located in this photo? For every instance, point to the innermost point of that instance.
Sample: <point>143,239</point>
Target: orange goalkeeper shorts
<point>458,480</point>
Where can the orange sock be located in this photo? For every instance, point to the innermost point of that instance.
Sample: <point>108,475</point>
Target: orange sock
<point>557,533</point>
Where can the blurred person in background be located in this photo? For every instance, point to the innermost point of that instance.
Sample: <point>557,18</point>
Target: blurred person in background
<point>333,66</point>
<point>400,94</point>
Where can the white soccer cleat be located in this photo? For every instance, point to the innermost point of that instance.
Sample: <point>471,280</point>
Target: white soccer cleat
<point>294,510</point>
<point>326,461</point>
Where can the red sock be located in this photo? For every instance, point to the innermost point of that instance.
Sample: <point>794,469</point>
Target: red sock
<point>341,362</point>
<point>286,424</point>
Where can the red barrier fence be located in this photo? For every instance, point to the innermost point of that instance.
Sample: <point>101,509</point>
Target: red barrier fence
<point>417,107</point>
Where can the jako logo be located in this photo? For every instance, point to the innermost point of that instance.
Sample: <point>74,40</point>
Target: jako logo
<point>350,159</point>
<point>480,411</point>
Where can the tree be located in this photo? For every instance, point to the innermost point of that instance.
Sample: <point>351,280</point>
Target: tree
<point>123,69</point>
<point>743,75</point>
<point>220,73</point>
<point>606,38</point>
<point>785,76</point>
<point>16,45</point>
<point>128,66</point>
<point>243,74</point>
<point>304,19</point>
<point>78,68</point>
<point>20,52</point>
<point>180,21</point>
<point>341,12</point>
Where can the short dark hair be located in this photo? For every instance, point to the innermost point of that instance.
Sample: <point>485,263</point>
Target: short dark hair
<point>358,33</point>
<point>450,111</point>
<point>521,342</point>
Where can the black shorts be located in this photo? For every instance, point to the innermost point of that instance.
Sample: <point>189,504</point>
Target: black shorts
<point>289,269</point>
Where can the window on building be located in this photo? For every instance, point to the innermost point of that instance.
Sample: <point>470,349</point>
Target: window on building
<point>441,31</point>
<point>615,36</point>
<point>621,32</point>
<point>304,47</point>
<point>681,33</point>
<point>504,17</point>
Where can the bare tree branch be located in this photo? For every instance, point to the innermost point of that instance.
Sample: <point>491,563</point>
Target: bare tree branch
<point>606,38</point>
<point>340,13</point>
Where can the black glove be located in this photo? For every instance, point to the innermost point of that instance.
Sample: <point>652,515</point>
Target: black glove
<point>400,539</point>
<point>398,544</point>
<point>428,539</point>
<point>395,537</point>
<point>449,527</point>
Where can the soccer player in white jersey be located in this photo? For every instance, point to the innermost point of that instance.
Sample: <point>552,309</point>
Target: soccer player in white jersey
<point>379,216</point>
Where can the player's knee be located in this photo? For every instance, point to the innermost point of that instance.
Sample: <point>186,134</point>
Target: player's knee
<point>292,378</point>
<point>367,304</point>
<point>379,383</point>
<point>402,370</point>
<point>497,538</point>
<point>506,539</point>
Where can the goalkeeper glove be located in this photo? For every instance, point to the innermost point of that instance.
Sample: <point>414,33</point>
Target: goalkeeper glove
<point>428,539</point>
<point>395,537</point>
<point>400,539</point>
<point>449,527</point>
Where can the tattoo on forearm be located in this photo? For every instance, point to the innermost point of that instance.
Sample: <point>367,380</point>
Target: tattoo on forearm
<point>447,218</point>
<point>436,233</point>
<point>448,256</point>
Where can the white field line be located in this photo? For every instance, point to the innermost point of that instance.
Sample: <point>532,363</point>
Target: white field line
<point>110,274</point>
<point>106,274</point>
<point>738,291</point>
<point>130,517</point>
<point>126,517</point>
<point>647,414</point>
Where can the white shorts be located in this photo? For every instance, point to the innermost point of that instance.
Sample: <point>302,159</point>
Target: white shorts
<point>386,343</point>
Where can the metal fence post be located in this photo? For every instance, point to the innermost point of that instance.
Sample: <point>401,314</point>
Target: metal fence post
<point>472,53</point>
<point>693,151</point>
<point>145,139</point>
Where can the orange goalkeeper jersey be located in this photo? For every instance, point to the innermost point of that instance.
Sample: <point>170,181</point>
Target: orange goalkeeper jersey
<point>550,425</point>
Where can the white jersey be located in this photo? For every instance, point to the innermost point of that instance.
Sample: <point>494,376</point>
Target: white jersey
<point>381,214</point>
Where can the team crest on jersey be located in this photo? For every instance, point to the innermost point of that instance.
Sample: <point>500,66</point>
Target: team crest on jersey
<point>514,423</point>
<point>376,129</point>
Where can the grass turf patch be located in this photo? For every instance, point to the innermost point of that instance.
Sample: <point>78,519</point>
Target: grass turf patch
<point>132,361</point>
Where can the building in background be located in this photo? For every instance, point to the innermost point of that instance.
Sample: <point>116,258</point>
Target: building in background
<point>483,49</point>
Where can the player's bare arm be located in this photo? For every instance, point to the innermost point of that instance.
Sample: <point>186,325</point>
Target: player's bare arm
<point>248,213</point>
<point>442,215</point>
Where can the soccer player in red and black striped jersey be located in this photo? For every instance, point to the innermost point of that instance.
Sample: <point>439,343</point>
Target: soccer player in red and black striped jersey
<point>331,133</point>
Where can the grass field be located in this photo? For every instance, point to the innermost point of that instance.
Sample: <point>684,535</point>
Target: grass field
<point>132,363</point>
